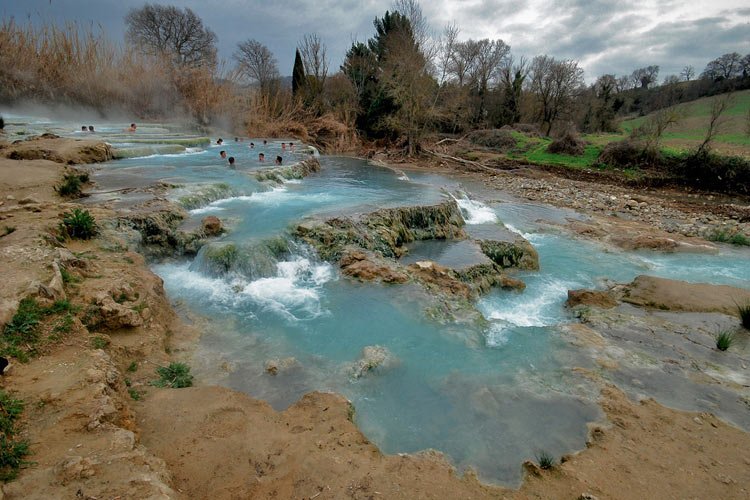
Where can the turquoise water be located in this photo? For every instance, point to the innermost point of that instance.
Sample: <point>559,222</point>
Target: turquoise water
<point>489,395</point>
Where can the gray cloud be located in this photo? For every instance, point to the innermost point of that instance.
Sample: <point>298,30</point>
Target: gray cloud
<point>605,36</point>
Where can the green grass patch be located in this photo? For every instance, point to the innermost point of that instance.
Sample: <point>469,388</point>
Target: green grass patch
<point>132,367</point>
<point>540,156</point>
<point>70,186</point>
<point>20,337</point>
<point>99,342</point>
<point>12,451</point>
<point>176,375</point>
<point>724,340</point>
<point>68,277</point>
<point>134,394</point>
<point>8,229</point>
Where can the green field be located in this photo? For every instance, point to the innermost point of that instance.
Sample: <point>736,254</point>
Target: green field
<point>686,134</point>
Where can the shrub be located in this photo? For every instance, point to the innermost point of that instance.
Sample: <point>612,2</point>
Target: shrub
<point>545,460</point>
<point>724,236</point>
<point>79,224</point>
<point>744,311</point>
<point>568,143</point>
<point>724,340</point>
<point>711,171</point>
<point>502,140</point>
<point>70,187</point>
<point>176,375</point>
<point>528,129</point>
<point>134,395</point>
<point>628,153</point>
<point>8,229</point>
<point>133,366</point>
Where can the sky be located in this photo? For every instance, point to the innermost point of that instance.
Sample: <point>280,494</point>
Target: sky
<point>604,36</point>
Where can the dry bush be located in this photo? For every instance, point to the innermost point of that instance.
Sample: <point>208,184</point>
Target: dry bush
<point>530,129</point>
<point>568,143</point>
<point>501,140</point>
<point>628,153</point>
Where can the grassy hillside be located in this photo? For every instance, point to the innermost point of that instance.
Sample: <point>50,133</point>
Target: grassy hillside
<point>691,129</point>
<point>680,137</point>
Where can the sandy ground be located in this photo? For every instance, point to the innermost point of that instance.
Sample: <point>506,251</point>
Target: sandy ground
<point>91,439</point>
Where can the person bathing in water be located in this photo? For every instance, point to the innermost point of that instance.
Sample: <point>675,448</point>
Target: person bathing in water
<point>278,160</point>
<point>261,157</point>
<point>223,154</point>
<point>231,162</point>
<point>131,128</point>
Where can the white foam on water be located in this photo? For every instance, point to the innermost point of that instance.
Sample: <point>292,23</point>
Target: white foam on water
<point>295,292</point>
<point>206,210</point>
<point>497,335</point>
<point>475,212</point>
<point>210,289</point>
<point>536,307</point>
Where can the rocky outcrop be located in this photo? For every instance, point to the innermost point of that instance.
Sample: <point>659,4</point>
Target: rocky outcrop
<point>59,150</point>
<point>672,295</point>
<point>366,266</point>
<point>518,254</point>
<point>280,365</point>
<point>596,298</point>
<point>211,226</point>
<point>157,234</point>
<point>385,231</point>
<point>286,173</point>
<point>374,357</point>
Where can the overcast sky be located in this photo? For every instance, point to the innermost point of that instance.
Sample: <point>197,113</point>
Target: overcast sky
<point>605,36</point>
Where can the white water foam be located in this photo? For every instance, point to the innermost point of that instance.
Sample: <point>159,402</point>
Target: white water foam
<point>538,306</point>
<point>475,212</point>
<point>295,292</point>
<point>206,210</point>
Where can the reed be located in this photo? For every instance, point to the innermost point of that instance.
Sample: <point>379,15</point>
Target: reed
<point>74,65</point>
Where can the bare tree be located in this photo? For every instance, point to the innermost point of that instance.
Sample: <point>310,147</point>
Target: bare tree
<point>420,28</point>
<point>645,77</point>
<point>671,80</point>
<point>623,83</point>
<point>745,66</point>
<point>726,66</point>
<point>314,57</point>
<point>718,106</point>
<point>555,84</point>
<point>256,63</point>
<point>168,31</point>
<point>462,60</point>
<point>447,46</point>
<point>688,72</point>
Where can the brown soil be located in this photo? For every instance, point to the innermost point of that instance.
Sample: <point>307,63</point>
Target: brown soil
<point>91,439</point>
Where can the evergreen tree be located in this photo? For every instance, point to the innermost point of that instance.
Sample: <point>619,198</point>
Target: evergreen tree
<point>298,76</point>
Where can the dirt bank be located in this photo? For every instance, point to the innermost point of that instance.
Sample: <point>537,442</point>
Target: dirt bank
<point>97,429</point>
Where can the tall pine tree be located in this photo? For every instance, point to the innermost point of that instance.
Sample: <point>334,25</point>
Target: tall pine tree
<point>298,76</point>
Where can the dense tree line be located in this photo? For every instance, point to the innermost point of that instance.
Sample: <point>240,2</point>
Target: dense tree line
<point>396,86</point>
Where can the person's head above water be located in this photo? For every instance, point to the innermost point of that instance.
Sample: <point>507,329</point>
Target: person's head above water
<point>83,128</point>
<point>219,141</point>
<point>91,128</point>
<point>252,145</point>
<point>223,153</point>
<point>278,160</point>
<point>231,161</point>
<point>132,127</point>
<point>261,157</point>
